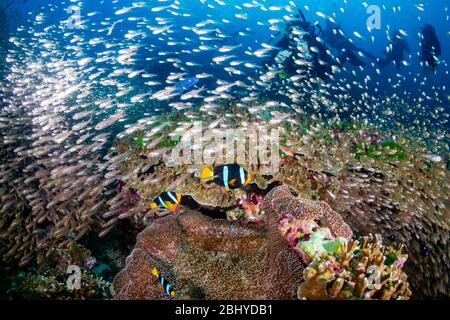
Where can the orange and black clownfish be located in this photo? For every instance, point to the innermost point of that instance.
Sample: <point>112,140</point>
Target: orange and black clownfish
<point>167,200</point>
<point>231,176</point>
<point>162,280</point>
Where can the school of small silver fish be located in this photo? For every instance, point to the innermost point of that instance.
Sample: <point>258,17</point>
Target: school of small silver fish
<point>70,93</point>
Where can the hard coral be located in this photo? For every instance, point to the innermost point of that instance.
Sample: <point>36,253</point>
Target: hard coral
<point>206,258</point>
<point>281,200</point>
<point>397,190</point>
<point>249,208</point>
<point>366,270</point>
<point>50,279</point>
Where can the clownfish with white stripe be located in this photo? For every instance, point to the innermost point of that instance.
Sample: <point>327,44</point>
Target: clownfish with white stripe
<point>167,200</point>
<point>164,283</point>
<point>231,176</point>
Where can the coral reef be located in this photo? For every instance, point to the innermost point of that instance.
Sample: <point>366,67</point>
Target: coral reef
<point>281,201</point>
<point>366,270</point>
<point>222,259</point>
<point>87,142</point>
<point>378,182</point>
<point>210,259</point>
<point>49,280</point>
<point>396,189</point>
<point>249,209</point>
<point>383,191</point>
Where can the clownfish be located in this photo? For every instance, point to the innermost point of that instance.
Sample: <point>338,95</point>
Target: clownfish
<point>162,280</point>
<point>231,176</point>
<point>167,200</point>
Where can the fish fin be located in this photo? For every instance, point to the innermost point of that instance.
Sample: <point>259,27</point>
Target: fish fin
<point>206,172</point>
<point>155,272</point>
<point>249,179</point>
<point>178,197</point>
<point>170,206</point>
<point>172,293</point>
<point>153,205</point>
<point>232,182</point>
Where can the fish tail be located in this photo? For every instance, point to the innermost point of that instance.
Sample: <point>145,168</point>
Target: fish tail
<point>206,172</point>
<point>155,272</point>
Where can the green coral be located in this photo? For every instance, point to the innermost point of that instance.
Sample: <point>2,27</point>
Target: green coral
<point>318,242</point>
<point>169,142</point>
<point>139,142</point>
<point>388,150</point>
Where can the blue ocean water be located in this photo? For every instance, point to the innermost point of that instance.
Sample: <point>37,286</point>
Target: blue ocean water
<point>246,27</point>
<point>403,15</point>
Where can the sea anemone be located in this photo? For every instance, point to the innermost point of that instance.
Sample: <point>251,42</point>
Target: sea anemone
<point>208,258</point>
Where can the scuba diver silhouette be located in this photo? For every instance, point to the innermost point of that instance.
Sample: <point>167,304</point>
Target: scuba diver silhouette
<point>394,50</point>
<point>337,39</point>
<point>321,60</point>
<point>430,46</point>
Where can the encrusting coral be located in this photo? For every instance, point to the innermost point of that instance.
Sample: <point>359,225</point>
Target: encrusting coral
<point>366,270</point>
<point>281,200</point>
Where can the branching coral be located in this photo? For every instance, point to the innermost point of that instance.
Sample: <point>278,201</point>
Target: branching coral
<point>366,270</point>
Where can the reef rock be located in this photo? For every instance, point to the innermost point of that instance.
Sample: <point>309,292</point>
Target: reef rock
<point>281,200</point>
